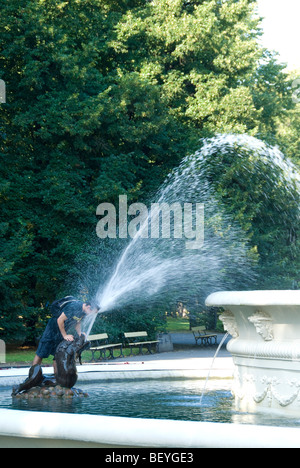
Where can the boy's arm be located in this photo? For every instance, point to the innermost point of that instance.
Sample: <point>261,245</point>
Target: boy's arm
<point>61,325</point>
<point>78,329</point>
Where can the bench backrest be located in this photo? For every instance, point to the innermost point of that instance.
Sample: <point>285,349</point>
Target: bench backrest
<point>102,336</point>
<point>135,334</point>
<point>200,329</point>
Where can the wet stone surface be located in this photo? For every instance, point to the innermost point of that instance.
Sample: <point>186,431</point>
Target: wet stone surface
<point>51,392</point>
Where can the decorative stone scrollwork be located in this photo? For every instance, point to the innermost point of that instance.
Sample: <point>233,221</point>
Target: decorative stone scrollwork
<point>269,393</point>
<point>264,325</point>
<point>229,322</point>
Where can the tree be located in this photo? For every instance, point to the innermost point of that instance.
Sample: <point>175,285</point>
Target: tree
<point>105,98</point>
<point>288,128</point>
<point>201,53</point>
<point>76,130</point>
<point>272,91</point>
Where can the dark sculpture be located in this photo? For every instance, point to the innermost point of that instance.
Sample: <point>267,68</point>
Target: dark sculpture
<point>66,354</point>
<point>34,379</point>
<point>65,358</point>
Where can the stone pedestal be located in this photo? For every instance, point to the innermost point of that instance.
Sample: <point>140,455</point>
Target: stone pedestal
<point>165,344</point>
<point>265,345</point>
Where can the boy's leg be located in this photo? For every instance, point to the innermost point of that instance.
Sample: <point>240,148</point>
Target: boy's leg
<point>37,360</point>
<point>45,349</point>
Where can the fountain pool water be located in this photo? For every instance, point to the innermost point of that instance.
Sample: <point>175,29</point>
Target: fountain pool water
<point>154,413</point>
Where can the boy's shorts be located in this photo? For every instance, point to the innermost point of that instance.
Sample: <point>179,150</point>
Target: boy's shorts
<point>47,348</point>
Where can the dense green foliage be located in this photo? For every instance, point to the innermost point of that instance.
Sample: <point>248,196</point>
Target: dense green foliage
<point>104,97</point>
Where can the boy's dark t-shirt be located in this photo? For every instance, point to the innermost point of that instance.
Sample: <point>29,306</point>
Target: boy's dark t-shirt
<point>74,313</point>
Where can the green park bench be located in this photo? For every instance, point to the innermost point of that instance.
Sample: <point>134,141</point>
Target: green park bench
<point>101,344</point>
<point>139,340</point>
<point>205,337</point>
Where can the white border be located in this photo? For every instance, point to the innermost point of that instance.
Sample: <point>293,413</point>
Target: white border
<point>58,429</point>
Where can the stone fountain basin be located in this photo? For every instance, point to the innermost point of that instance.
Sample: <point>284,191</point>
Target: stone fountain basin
<point>162,369</point>
<point>45,430</point>
<point>265,345</point>
<point>36,429</point>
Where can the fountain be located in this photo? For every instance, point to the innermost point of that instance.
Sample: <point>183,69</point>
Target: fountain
<point>263,324</point>
<point>265,346</point>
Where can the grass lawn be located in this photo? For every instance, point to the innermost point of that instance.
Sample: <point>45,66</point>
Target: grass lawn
<point>26,355</point>
<point>175,324</point>
<point>23,355</point>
